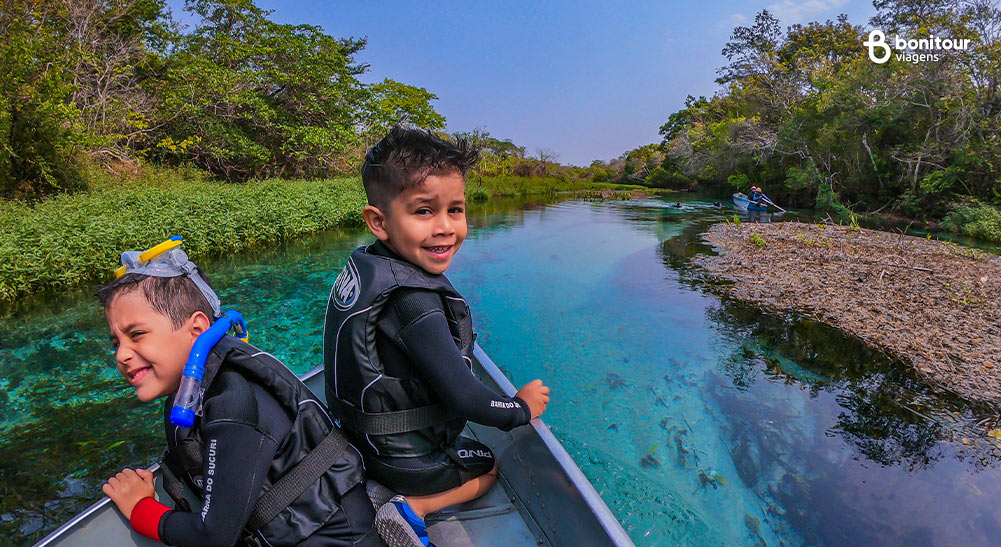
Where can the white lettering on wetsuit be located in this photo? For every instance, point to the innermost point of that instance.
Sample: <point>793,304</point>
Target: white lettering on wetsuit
<point>503,404</point>
<point>208,478</point>
<point>465,453</point>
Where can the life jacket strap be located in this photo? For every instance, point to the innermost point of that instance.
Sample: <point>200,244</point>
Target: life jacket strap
<point>299,478</point>
<point>389,423</point>
<point>171,481</point>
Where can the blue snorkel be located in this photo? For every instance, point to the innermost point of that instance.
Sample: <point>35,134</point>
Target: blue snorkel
<point>168,260</point>
<point>189,394</point>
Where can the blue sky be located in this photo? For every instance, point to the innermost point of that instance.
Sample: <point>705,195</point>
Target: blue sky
<point>587,79</point>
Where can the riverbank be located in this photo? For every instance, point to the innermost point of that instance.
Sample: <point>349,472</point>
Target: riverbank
<point>932,304</point>
<point>76,238</point>
<point>481,188</point>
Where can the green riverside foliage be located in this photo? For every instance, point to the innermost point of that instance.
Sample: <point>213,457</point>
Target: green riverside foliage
<point>477,186</point>
<point>240,96</point>
<point>975,220</point>
<point>77,238</point>
<point>804,113</point>
<point>72,239</point>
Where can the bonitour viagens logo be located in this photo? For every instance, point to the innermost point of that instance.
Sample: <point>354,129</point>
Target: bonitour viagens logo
<point>912,50</point>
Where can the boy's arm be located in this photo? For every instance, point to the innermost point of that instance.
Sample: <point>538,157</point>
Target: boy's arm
<point>429,343</point>
<point>236,458</point>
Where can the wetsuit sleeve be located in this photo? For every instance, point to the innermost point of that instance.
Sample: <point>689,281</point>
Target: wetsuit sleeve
<point>237,455</point>
<point>429,344</point>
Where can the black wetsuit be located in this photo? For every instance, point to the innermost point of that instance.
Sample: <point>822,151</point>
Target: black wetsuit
<point>242,428</point>
<point>247,440</point>
<point>424,345</point>
<point>413,339</point>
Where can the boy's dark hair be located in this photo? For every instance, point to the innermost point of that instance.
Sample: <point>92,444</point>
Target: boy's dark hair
<point>174,297</point>
<point>406,157</point>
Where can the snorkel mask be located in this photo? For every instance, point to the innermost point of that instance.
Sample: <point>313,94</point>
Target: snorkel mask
<point>168,260</point>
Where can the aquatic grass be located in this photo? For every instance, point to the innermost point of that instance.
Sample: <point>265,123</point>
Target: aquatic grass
<point>510,186</point>
<point>73,239</point>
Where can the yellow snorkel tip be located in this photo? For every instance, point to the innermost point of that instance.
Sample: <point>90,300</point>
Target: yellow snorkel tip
<point>157,250</point>
<point>151,253</point>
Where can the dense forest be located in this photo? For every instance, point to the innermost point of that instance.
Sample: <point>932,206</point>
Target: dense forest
<point>120,127</point>
<point>99,86</point>
<point>806,114</point>
<point>110,84</point>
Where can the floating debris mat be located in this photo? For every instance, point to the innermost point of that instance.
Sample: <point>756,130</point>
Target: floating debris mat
<point>932,304</point>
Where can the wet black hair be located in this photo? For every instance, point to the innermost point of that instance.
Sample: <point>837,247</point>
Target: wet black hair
<point>176,298</point>
<point>406,157</point>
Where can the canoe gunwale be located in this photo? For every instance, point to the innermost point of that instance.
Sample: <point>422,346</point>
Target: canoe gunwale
<point>590,496</point>
<point>742,202</point>
<point>97,506</point>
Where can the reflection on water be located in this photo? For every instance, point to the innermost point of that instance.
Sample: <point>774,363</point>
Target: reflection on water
<point>759,217</point>
<point>699,420</point>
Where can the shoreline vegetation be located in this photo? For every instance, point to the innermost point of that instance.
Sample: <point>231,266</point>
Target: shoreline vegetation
<point>802,111</point>
<point>75,238</point>
<point>932,304</point>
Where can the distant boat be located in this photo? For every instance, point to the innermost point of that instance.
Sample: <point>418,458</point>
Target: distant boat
<point>740,201</point>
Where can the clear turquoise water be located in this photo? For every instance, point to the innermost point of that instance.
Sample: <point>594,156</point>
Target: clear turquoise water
<point>800,434</point>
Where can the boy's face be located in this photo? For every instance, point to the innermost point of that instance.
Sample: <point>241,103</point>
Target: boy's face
<point>149,351</point>
<point>425,224</point>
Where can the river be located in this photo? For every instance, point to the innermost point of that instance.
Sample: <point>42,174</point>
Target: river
<point>698,419</point>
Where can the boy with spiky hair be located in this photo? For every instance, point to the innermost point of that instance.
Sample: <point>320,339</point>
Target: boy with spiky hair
<point>256,422</point>
<point>398,340</point>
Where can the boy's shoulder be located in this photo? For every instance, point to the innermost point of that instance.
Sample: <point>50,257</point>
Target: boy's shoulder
<point>252,387</point>
<point>256,366</point>
<point>232,397</point>
<point>373,271</point>
<point>410,304</point>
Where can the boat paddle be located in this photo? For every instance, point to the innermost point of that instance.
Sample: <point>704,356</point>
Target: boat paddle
<point>770,202</point>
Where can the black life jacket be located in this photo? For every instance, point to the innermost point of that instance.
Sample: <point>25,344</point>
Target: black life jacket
<point>385,415</point>
<point>311,425</point>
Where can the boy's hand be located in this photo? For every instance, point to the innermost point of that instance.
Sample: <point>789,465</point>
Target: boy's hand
<point>536,395</point>
<point>128,487</point>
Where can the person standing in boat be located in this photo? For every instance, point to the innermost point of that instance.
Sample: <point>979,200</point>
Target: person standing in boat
<point>255,423</point>
<point>398,340</point>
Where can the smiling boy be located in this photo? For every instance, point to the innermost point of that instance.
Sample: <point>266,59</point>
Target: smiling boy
<point>256,423</point>
<point>398,340</point>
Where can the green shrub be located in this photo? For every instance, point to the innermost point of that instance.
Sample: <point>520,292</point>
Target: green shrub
<point>479,195</point>
<point>739,182</point>
<point>975,220</point>
<point>507,185</point>
<point>828,200</point>
<point>658,178</point>
<point>802,179</point>
<point>757,240</point>
<point>77,238</point>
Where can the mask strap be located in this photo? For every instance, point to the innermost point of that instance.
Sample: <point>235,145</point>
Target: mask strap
<point>208,293</point>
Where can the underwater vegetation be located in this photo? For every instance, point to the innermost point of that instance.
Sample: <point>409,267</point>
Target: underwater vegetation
<point>709,477</point>
<point>616,381</point>
<point>650,461</point>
